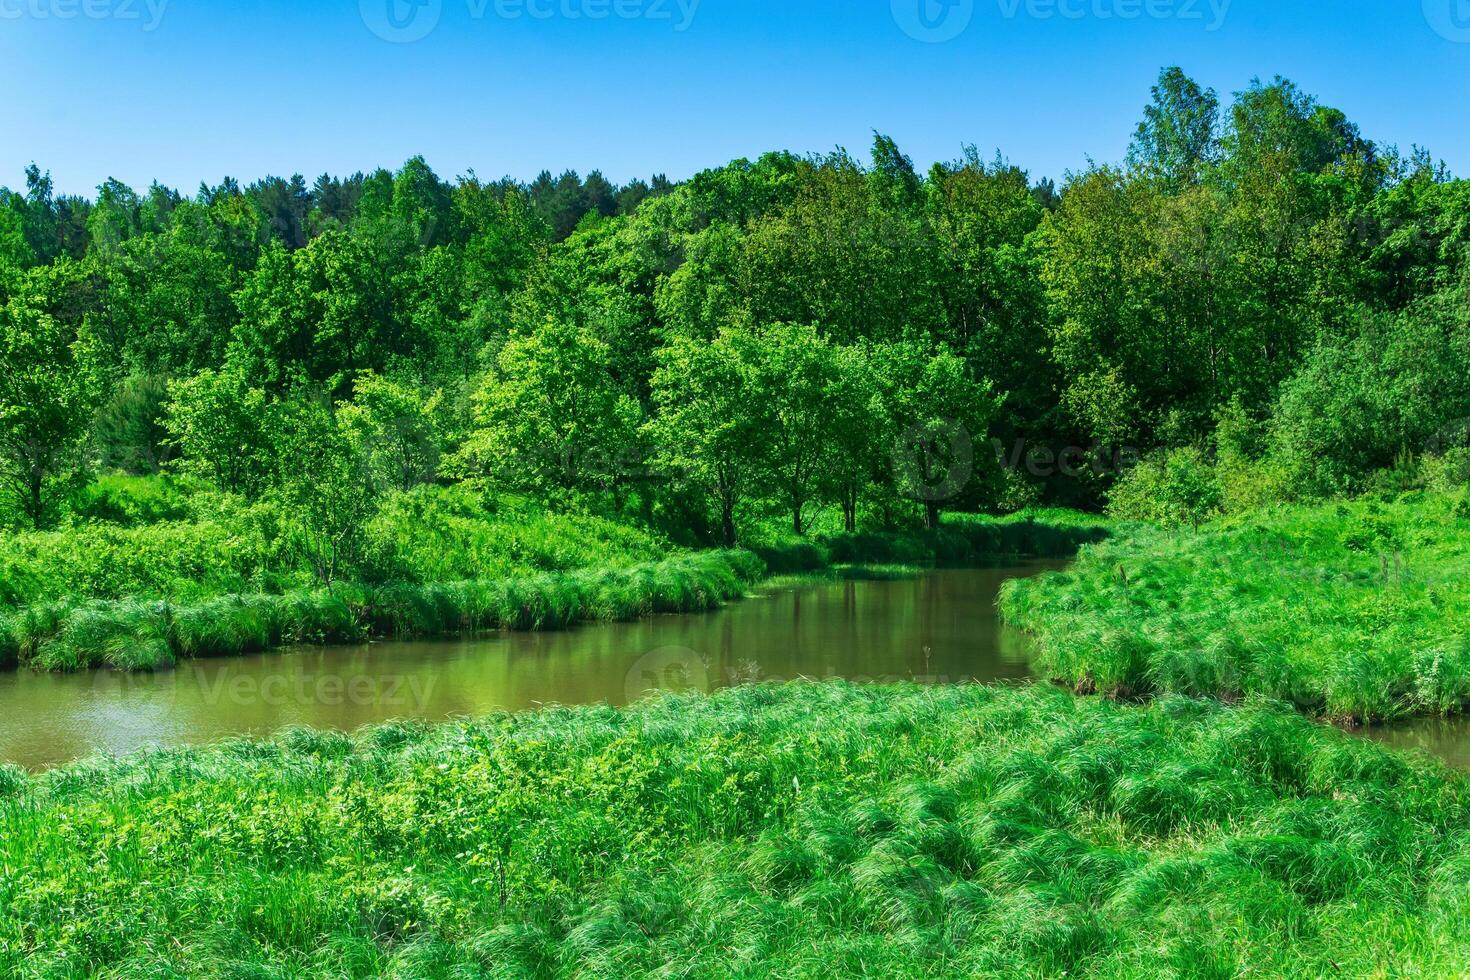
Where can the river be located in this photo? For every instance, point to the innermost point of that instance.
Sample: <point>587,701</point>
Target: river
<point>939,628</point>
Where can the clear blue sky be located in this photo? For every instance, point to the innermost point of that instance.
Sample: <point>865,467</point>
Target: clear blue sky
<point>202,88</point>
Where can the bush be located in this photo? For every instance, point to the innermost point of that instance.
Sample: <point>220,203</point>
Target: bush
<point>158,543</point>
<point>107,562</point>
<point>969,538</point>
<point>435,534</point>
<point>1176,487</point>
<point>1447,473</point>
<point>9,642</point>
<point>131,501</point>
<point>1400,384</point>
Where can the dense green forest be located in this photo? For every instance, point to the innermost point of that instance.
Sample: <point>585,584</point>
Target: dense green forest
<point>1259,303</point>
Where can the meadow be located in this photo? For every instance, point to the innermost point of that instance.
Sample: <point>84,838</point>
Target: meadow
<point>1354,611</point>
<point>803,830</point>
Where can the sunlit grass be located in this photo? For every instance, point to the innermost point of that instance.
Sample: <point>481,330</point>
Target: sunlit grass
<point>1354,611</point>
<point>806,830</point>
<point>147,633</point>
<point>141,635</point>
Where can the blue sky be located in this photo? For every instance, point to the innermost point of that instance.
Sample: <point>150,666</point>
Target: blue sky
<point>189,90</point>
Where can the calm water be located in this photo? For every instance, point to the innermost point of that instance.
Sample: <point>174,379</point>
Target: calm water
<point>1446,738</point>
<point>942,628</point>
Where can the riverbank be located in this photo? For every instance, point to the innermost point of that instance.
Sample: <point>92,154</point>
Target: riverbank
<point>936,626</point>
<point>1353,611</point>
<point>146,633</point>
<point>793,830</point>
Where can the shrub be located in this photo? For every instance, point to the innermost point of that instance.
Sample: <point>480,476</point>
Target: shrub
<point>1447,473</point>
<point>1176,487</point>
<point>1400,382</point>
<point>9,641</point>
<point>131,501</point>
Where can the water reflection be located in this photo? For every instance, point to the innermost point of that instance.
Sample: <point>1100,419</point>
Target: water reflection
<point>941,628</point>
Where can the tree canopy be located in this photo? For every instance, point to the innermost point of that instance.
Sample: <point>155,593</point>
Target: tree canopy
<point>779,337</point>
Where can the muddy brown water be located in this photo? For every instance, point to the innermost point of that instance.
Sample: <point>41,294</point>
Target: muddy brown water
<point>939,628</point>
<point>1447,739</point>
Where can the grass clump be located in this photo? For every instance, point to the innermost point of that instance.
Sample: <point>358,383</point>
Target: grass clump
<point>802,830</point>
<point>1354,611</point>
<point>137,635</point>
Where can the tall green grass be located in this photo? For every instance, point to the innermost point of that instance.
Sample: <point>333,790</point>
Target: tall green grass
<point>148,635</point>
<point>9,642</point>
<point>1353,611</point>
<point>799,831</point>
<point>219,546</point>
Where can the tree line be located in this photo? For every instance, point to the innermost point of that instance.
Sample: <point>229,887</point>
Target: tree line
<point>1258,289</point>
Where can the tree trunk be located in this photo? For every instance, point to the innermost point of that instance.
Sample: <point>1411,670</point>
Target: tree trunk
<point>849,509</point>
<point>931,514</point>
<point>727,521</point>
<point>35,505</point>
